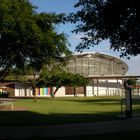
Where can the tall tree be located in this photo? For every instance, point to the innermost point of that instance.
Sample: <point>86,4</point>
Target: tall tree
<point>57,77</point>
<point>115,20</point>
<point>27,37</point>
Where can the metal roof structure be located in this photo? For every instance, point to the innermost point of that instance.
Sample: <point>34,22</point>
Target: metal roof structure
<point>95,63</point>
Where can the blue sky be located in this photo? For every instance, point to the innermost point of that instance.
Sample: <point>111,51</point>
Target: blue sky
<point>58,6</point>
<point>66,6</point>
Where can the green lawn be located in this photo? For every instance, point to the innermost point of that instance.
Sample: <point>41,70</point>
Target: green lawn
<point>63,110</point>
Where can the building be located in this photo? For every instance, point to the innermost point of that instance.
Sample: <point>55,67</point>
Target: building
<point>99,68</point>
<point>105,73</point>
<point>93,63</point>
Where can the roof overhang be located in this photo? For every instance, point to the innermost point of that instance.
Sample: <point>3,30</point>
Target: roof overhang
<point>112,76</point>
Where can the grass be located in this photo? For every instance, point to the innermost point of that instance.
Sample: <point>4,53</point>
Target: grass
<point>64,110</point>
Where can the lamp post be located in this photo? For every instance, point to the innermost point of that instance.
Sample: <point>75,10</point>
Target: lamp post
<point>128,99</point>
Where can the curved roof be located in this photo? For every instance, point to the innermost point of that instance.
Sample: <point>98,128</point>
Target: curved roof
<point>102,55</point>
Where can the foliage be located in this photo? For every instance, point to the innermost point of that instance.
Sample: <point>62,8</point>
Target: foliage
<point>114,20</point>
<point>57,77</point>
<point>131,82</point>
<point>27,37</point>
<point>78,80</point>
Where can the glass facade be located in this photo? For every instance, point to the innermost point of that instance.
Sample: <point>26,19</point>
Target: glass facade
<point>95,64</point>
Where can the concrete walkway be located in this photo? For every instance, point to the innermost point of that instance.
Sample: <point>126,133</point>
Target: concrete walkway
<point>70,129</point>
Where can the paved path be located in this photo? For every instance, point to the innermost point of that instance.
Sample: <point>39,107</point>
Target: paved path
<point>70,129</point>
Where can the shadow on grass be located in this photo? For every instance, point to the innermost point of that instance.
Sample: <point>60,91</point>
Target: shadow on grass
<point>27,118</point>
<point>97,101</point>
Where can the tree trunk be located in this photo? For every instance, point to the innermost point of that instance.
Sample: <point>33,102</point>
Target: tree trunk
<point>75,91</point>
<point>54,93</point>
<point>34,93</point>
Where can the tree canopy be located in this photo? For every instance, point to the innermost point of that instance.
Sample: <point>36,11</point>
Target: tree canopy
<point>52,75</point>
<point>115,20</point>
<point>57,77</point>
<point>28,37</point>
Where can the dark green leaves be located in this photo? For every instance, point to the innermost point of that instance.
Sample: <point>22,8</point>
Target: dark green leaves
<point>28,38</point>
<point>116,20</point>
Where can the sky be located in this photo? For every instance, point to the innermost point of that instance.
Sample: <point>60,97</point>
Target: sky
<point>67,6</point>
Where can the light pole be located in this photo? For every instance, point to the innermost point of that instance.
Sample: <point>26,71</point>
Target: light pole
<point>128,99</point>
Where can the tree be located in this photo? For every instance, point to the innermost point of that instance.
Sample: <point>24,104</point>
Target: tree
<point>53,75</point>
<point>30,77</point>
<point>28,38</point>
<point>115,20</point>
<point>78,80</point>
<point>131,82</point>
<point>57,77</point>
<point>67,79</point>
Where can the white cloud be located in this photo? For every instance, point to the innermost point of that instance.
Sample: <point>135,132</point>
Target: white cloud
<point>134,65</point>
<point>78,36</point>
